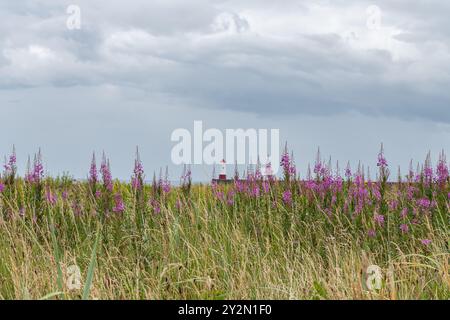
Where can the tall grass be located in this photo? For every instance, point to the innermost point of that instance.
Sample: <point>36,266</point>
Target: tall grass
<point>257,238</point>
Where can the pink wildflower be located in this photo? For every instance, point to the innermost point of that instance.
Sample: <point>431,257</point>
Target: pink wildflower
<point>404,228</point>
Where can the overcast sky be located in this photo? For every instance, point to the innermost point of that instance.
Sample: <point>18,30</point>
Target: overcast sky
<point>342,75</point>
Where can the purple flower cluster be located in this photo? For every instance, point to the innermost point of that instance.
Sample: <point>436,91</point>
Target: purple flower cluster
<point>404,228</point>
<point>10,165</point>
<point>186,180</point>
<point>442,172</point>
<point>425,203</point>
<point>382,163</point>
<point>379,219</point>
<point>51,197</point>
<point>348,171</point>
<point>119,206</point>
<point>287,197</point>
<point>105,170</point>
<point>155,206</point>
<point>35,175</point>
<point>137,180</point>
<point>287,163</point>
<point>93,176</point>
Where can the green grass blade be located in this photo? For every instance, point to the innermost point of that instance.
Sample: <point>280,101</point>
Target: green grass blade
<point>51,295</point>
<point>57,255</point>
<point>92,263</point>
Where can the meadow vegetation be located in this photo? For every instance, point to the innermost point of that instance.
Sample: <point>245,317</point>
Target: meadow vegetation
<point>258,237</point>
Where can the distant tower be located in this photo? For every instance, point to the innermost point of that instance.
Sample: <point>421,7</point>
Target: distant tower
<point>268,171</point>
<point>223,170</point>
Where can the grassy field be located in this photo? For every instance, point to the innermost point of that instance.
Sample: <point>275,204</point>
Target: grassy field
<point>253,239</point>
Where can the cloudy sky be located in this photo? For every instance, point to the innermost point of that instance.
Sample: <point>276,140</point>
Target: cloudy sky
<point>344,75</point>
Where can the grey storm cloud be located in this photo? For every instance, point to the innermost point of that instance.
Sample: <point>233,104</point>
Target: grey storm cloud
<point>138,69</point>
<point>249,56</point>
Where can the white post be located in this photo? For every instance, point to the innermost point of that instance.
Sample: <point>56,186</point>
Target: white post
<point>223,170</point>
